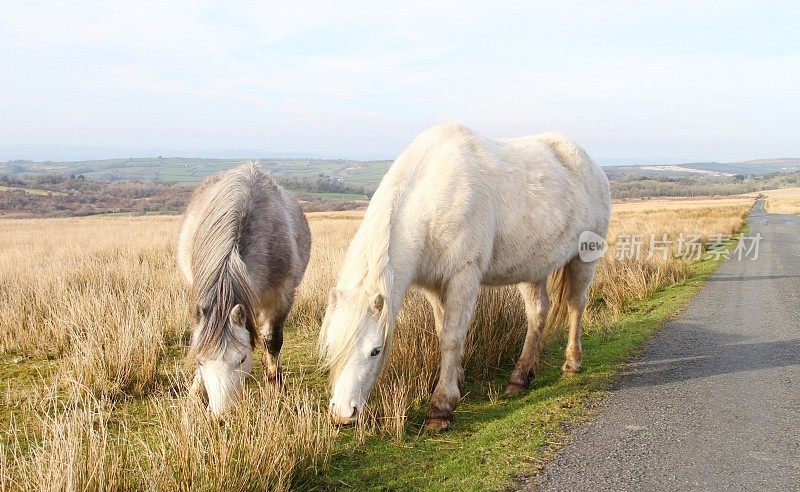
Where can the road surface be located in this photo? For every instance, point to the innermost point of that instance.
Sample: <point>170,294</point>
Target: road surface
<point>714,403</point>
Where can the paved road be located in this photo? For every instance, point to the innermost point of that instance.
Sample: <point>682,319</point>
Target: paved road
<point>714,403</point>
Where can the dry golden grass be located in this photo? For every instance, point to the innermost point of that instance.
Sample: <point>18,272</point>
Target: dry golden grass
<point>619,283</point>
<point>275,440</point>
<point>784,201</point>
<point>102,297</point>
<point>73,450</point>
<point>651,204</point>
<point>100,292</point>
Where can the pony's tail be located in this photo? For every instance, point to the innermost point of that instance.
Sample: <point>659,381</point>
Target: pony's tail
<point>559,288</point>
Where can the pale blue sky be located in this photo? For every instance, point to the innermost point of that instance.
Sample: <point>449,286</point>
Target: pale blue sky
<point>694,80</point>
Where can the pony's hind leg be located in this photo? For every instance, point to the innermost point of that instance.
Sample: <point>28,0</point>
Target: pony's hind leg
<point>460,296</point>
<point>580,278</point>
<point>537,305</point>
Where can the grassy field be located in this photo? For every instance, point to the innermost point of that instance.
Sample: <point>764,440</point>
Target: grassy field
<point>194,170</point>
<point>785,201</point>
<point>29,191</point>
<point>93,331</point>
<point>758,167</point>
<point>331,196</point>
<point>360,173</point>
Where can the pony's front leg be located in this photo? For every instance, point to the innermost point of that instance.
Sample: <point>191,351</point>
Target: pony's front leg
<point>460,297</point>
<point>272,337</point>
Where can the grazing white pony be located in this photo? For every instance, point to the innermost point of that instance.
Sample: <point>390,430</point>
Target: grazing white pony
<point>454,212</point>
<point>243,249</point>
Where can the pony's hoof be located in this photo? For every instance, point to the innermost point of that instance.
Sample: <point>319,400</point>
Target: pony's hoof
<point>436,425</point>
<point>570,369</point>
<point>513,389</point>
<point>276,381</point>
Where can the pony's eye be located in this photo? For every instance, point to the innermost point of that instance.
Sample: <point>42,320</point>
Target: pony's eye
<point>375,352</point>
<point>243,359</point>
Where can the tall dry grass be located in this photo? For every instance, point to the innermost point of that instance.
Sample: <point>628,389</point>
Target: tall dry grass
<point>784,201</point>
<point>619,283</point>
<point>101,293</point>
<point>273,441</point>
<point>102,297</point>
<point>74,448</point>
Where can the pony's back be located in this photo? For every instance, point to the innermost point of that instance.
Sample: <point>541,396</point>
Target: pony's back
<point>243,210</point>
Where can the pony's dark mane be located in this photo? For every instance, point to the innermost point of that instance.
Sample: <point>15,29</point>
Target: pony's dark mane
<point>221,277</point>
<point>229,290</point>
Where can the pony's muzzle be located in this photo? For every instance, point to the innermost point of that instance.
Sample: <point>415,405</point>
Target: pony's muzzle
<point>340,419</point>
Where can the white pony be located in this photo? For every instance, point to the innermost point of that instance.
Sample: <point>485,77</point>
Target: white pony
<point>243,249</point>
<point>454,212</point>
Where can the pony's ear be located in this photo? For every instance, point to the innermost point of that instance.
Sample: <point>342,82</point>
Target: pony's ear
<point>237,315</point>
<point>376,304</point>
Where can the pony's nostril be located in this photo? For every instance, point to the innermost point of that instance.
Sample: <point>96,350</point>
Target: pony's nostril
<point>355,413</point>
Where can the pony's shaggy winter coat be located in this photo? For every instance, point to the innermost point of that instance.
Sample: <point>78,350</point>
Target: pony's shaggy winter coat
<point>244,242</point>
<point>455,211</point>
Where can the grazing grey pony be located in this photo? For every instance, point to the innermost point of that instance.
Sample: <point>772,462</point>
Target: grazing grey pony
<point>456,211</point>
<point>243,248</point>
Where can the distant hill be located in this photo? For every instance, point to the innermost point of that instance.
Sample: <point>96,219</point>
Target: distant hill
<point>193,170</point>
<point>759,167</point>
<point>755,167</point>
<point>366,174</point>
<point>163,184</point>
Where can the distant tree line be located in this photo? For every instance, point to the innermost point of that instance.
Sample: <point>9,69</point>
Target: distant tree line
<point>7,180</point>
<point>51,195</point>
<point>63,196</point>
<point>640,186</point>
<point>320,184</point>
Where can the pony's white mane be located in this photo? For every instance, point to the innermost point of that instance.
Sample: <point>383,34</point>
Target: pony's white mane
<point>366,271</point>
<point>367,268</point>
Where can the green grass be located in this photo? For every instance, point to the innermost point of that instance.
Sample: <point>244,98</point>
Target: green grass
<point>21,377</point>
<point>330,196</point>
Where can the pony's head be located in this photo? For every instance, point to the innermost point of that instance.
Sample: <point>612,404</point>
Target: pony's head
<point>222,344</point>
<point>355,341</point>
